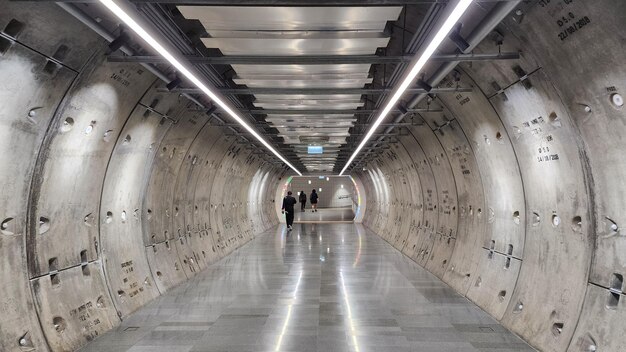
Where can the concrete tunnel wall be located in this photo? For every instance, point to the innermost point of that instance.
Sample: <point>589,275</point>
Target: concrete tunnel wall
<point>105,204</point>
<point>513,196</point>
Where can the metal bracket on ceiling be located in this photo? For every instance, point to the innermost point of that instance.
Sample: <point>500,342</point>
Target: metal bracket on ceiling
<point>457,39</point>
<point>151,109</point>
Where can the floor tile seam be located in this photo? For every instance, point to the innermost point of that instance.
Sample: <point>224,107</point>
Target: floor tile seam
<point>471,303</point>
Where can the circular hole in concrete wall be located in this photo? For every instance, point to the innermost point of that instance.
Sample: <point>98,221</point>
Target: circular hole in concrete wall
<point>121,293</point>
<point>536,219</point>
<point>577,223</point>
<point>44,225</point>
<point>553,117</point>
<point>109,217</point>
<point>518,307</point>
<point>610,226</point>
<point>59,324</point>
<point>556,220</point>
<point>516,217</point>
<point>67,124</point>
<point>159,274</point>
<point>100,303</point>
<point>5,226</point>
<point>90,127</point>
<point>107,135</point>
<point>88,219</point>
<point>588,343</point>
<point>501,295</point>
<point>33,112</point>
<point>557,328</point>
<point>5,223</point>
<point>617,100</point>
<point>149,212</point>
<point>127,139</point>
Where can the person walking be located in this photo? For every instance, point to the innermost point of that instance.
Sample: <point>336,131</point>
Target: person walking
<point>314,201</point>
<point>302,200</point>
<point>287,209</point>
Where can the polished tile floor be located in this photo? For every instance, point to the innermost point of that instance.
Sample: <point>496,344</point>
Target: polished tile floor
<point>324,287</point>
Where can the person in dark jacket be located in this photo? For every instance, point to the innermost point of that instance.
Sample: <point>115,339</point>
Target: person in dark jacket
<point>314,201</point>
<point>287,209</point>
<point>302,200</point>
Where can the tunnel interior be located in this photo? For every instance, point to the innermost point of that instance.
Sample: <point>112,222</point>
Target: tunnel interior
<point>503,177</point>
<point>338,199</point>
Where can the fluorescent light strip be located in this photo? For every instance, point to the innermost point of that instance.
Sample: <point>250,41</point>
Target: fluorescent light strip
<point>130,22</point>
<point>455,15</point>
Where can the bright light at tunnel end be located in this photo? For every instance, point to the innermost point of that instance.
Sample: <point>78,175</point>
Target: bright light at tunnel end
<point>441,35</point>
<point>132,24</point>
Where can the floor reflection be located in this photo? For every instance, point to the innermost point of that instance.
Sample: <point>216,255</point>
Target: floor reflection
<point>322,287</point>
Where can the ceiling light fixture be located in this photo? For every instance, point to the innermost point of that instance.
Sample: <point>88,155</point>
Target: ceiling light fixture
<point>182,69</point>
<point>441,35</point>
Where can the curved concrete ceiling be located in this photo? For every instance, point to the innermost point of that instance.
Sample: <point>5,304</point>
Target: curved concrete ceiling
<point>114,191</point>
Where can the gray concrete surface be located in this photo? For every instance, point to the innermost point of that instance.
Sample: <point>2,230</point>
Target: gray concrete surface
<point>324,215</point>
<point>115,193</point>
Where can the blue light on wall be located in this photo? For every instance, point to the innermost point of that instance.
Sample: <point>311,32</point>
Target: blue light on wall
<point>315,150</point>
